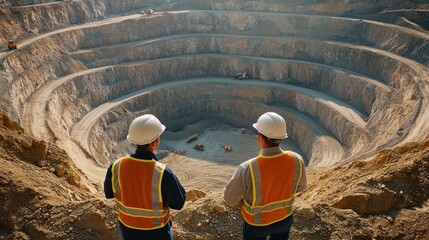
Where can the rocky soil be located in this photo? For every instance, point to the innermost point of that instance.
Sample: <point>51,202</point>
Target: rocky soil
<point>43,194</point>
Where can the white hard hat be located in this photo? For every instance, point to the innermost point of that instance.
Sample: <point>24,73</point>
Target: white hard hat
<point>271,125</point>
<point>145,129</point>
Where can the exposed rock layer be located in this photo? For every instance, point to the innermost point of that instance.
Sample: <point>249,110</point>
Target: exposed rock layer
<point>315,63</point>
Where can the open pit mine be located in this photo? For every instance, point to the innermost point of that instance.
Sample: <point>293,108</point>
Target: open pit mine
<point>351,79</point>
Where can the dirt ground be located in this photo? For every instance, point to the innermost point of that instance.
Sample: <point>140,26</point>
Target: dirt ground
<point>210,169</point>
<point>43,195</point>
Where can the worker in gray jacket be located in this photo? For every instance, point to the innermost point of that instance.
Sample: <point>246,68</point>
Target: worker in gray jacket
<point>265,186</point>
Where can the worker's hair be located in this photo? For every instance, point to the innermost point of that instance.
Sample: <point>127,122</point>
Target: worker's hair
<point>146,146</point>
<point>271,142</point>
<point>143,147</point>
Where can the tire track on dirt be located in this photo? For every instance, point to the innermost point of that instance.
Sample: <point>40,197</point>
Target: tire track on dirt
<point>35,109</point>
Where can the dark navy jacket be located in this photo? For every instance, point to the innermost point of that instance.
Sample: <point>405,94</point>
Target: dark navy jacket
<point>173,196</point>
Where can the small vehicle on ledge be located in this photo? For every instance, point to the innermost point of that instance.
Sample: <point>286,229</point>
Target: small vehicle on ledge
<point>11,45</point>
<point>149,11</point>
<point>227,148</point>
<point>192,138</point>
<point>199,147</point>
<point>242,76</point>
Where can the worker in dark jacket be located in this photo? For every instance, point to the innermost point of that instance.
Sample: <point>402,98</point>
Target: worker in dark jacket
<point>144,188</point>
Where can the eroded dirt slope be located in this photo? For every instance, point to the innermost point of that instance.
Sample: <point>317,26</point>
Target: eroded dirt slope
<point>42,193</point>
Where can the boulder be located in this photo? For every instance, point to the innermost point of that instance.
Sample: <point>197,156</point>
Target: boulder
<point>37,152</point>
<point>374,202</point>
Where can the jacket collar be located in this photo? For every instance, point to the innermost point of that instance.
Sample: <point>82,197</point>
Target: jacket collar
<point>143,154</point>
<point>271,151</point>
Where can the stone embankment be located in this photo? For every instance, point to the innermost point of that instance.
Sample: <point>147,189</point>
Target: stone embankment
<point>123,58</point>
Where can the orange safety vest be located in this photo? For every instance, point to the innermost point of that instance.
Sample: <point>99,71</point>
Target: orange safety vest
<point>275,180</point>
<point>137,190</point>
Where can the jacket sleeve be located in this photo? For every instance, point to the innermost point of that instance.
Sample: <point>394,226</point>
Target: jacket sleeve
<point>108,189</point>
<point>173,193</point>
<point>235,189</point>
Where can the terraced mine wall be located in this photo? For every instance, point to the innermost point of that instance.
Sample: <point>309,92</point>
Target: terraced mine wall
<point>346,86</point>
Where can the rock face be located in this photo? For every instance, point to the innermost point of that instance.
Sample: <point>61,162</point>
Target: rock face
<point>326,86</point>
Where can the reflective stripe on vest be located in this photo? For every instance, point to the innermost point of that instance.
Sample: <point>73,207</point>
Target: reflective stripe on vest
<point>272,198</point>
<point>138,209</point>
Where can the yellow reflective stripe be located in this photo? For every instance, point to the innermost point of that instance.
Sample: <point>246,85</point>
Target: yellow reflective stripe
<point>140,212</point>
<point>115,177</point>
<point>163,166</point>
<point>254,212</point>
<point>298,171</point>
<point>133,227</point>
<point>289,212</point>
<point>253,183</point>
<point>258,182</point>
<point>291,199</point>
<point>155,188</point>
<point>286,201</point>
<point>269,207</point>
